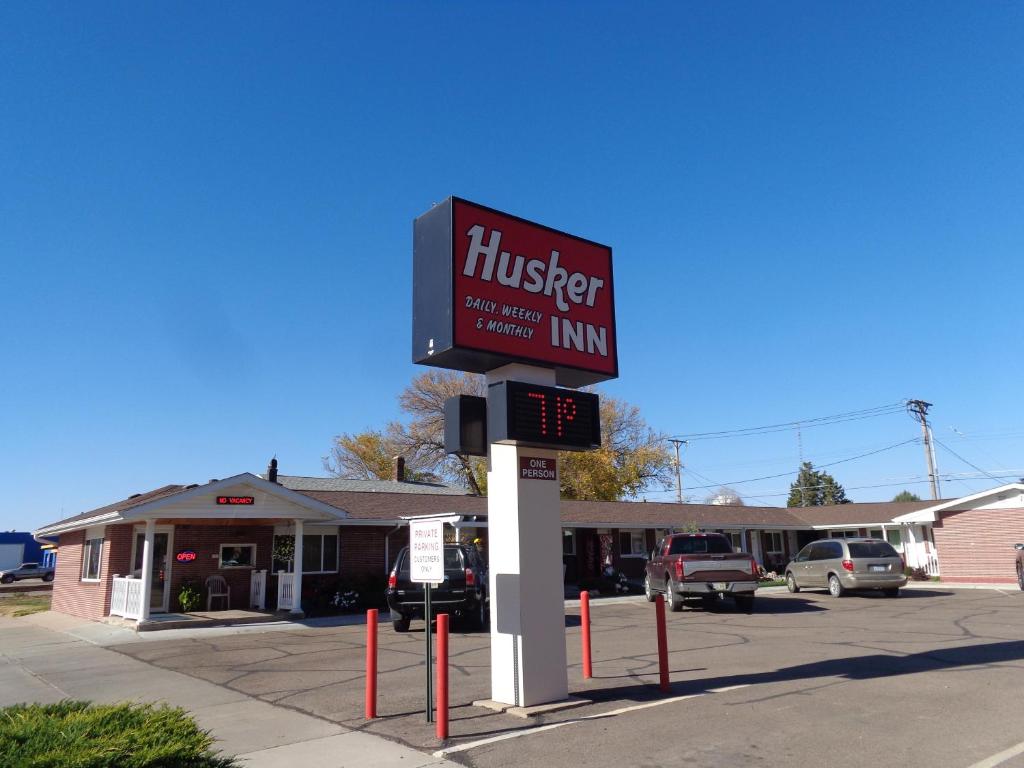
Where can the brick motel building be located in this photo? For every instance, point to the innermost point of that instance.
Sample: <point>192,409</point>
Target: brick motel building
<point>272,538</point>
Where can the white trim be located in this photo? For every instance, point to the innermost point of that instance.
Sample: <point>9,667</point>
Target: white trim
<point>930,514</point>
<point>75,525</point>
<point>99,566</point>
<point>220,556</point>
<point>169,530</point>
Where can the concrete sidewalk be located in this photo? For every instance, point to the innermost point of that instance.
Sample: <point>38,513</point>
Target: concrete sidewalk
<point>42,664</point>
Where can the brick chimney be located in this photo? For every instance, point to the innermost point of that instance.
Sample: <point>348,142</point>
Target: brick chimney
<point>399,469</point>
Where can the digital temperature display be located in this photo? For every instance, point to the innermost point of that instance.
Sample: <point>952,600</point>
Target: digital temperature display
<point>547,417</point>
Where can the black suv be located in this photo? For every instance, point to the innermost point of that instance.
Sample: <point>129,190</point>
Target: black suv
<point>462,594</point>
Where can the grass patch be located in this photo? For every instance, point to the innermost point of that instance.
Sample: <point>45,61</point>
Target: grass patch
<point>77,734</point>
<point>772,583</point>
<point>22,605</point>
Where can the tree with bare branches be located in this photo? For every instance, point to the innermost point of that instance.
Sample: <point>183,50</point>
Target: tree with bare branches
<point>632,456</point>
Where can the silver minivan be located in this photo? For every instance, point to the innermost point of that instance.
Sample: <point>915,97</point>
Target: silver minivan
<point>842,564</point>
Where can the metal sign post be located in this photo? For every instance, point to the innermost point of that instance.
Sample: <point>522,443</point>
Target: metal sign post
<point>426,566</point>
<point>430,655</point>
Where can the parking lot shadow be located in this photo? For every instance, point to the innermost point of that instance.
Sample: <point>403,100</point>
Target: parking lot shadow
<point>868,667</point>
<point>789,604</point>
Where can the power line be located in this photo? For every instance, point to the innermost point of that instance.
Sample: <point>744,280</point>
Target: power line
<point>829,464</point>
<point>820,421</point>
<point>965,461</point>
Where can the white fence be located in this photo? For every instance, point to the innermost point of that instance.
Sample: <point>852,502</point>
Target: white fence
<point>931,565</point>
<point>285,591</point>
<point>258,590</point>
<point>126,597</point>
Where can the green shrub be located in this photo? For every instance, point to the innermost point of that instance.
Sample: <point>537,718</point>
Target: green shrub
<point>77,734</point>
<point>189,597</point>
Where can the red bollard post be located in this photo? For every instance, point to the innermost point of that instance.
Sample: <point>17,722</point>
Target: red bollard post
<point>371,663</point>
<point>441,721</point>
<point>588,671</point>
<point>659,606</point>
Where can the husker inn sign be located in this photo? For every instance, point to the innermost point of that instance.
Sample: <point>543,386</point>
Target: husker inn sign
<point>491,289</point>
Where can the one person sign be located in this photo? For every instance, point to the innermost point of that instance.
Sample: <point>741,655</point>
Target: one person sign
<point>426,551</point>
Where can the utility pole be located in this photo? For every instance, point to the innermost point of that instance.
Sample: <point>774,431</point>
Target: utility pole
<point>679,474</point>
<point>800,448</point>
<point>918,410</point>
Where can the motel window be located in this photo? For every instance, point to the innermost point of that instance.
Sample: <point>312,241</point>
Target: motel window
<point>893,536</point>
<point>631,543</point>
<point>91,554</point>
<point>237,555</point>
<point>875,533</point>
<point>736,539</point>
<point>773,542</point>
<point>568,542</point>
<point>319,553</point>
<point>843,534</point>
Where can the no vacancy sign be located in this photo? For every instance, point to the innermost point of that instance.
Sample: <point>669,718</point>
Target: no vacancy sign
<point>426,551</point>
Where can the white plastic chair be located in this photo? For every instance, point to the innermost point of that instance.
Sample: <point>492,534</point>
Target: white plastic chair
<point>216,586</point>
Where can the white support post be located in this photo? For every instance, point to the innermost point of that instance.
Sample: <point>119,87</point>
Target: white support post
<point>297,575</point>
<point>147,568</point>
<point>528,662</point>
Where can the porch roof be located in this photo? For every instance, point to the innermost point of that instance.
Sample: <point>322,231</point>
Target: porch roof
<point>187,501</point>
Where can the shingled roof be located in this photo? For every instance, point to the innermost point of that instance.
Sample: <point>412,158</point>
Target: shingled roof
<point>383,506</point>
<point>303,484</point>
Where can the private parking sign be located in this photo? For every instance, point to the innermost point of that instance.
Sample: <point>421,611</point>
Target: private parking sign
<point>426,551</point>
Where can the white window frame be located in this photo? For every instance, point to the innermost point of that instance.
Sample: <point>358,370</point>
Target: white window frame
<point>845,533</point>
<point>734,536</point>
<point>768,549</point>
<point>337,554</point>
<point>87,546</point>
<point>220,556</point>
<point>635,534</point>
<point>569,533</point>
<point>873,531</point>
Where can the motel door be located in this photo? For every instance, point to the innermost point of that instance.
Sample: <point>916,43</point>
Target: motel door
<point>158,596</point>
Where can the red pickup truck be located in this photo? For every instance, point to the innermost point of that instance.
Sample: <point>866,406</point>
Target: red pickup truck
<point>704,565</point>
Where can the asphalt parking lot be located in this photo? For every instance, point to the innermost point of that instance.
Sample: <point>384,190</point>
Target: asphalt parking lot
<point>933,678</point>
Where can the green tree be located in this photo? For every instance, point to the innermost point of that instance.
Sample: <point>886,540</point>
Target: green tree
<point>632,456</point>
<point>906,496</point>
<point>814,488</point>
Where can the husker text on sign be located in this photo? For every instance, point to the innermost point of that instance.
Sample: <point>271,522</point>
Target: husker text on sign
<point>518,291</point>
<point>426,551</point>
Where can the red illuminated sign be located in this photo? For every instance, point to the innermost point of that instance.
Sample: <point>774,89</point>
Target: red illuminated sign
<point>185,556</point>
<point>490,288</point>
<point>244,501</point>
<point>527,414</point>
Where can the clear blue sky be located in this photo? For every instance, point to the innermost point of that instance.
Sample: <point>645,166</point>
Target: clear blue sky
<point>205,223</point>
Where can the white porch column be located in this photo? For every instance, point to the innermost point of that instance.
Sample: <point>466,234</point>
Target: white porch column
<point>147,566</point>
<point>297,575</point>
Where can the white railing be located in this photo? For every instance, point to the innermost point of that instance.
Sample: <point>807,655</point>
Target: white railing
<point>931,565</point>
<point>126,597</point>
<point>285,591</point>
<point>258,590</point>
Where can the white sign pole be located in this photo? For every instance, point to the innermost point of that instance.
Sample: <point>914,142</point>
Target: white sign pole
<point>528,664</point>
